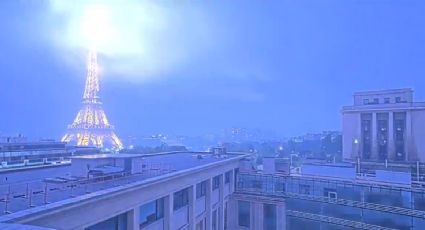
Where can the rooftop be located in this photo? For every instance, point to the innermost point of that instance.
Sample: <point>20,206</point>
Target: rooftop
<point>34,194</point>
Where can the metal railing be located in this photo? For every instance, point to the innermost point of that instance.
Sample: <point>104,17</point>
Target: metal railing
<point>20,196</point>
<point>335,221</point>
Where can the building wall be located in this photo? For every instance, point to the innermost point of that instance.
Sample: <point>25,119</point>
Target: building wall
<point>109,203</point>
<point>351,132</point>
<point>400,101</point>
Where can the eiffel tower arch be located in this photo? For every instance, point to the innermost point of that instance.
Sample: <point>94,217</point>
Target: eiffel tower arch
<point>91,127</point>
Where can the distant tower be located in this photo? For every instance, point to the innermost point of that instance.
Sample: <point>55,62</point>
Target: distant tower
<point>91,126</point>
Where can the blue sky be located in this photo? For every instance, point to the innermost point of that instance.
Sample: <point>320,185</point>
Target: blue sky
<point>287,66</point>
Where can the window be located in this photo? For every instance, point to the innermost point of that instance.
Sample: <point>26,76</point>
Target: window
<point>398,99</point>
<point>305,189</point>
<point>376,101</point>
<point>244,213</point>
<point>214,220</point>
<point>225,216</point>
<point>201,189</point>
<point>330,193</point>
<point>115,223</point>
<point>216,182</point>
<point>279,186</point>
<point>151,212</point>
<point>270,222</point>
<point>181,199</point>
<point>387,100</point>
<point>201,225</point>
<point>365,101</point>
<point>227,177</point>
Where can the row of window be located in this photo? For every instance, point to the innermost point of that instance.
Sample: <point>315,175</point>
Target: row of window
<point>154,210</point>
<point>387,100</point>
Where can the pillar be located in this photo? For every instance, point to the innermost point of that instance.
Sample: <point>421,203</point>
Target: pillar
<point>281,216</point>
<point>374,154</point>
<point>208,206</point>
<point>257,216</point>
<point>220,209</point>
<point>133,219</point>
<point>168,212</point>
<point>391,144</point>
<point>408,137</point>
<point>192,206</point>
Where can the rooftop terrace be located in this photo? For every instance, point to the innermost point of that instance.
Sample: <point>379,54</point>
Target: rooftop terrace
<point>36,194</point>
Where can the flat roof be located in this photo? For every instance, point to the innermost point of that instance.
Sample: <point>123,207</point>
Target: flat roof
<point>108,156</point>
<point>386,91</point>
<point>161,165</point>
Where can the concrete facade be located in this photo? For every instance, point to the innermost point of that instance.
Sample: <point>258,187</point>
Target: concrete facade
<point>384,125</point>
<point>125,201</point>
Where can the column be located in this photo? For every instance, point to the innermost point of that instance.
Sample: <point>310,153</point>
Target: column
<point>192,206</point>
<point>168,212</point>
<point>220,209</point>
<point>374,154</point>
<point>281,216</point>
<point>208,206</point>
<point>391,144</point>
<point>232,214</point>
<point>232,182</point>
<point>257,216</point>
<point>133,219</point>
<point>408,136</point>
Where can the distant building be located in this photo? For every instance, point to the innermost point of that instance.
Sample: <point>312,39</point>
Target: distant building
<point>384,125</point>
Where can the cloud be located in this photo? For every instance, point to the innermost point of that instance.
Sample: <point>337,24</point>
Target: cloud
<point>138,40</point>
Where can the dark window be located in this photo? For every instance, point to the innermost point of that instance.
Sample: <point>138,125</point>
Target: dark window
<point>151,212</point>
<point>387,100</point>
<point>216,182</point>
<point>201,189</point>
<point>279,186</point>
<point>269,217</point>
<point>115,223</point>
<point>376,101</point>
<point>227,177</point>
<point>181,199</point>
<point>398,99</point>
<point>304,189</point>
<point>330,193</point>
<point>225,216</point>
<point>365,101</point>
<point>214,220</point>
<point>244,213</point>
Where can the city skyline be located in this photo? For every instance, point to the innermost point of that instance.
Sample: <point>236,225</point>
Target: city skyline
<point>250,67</point>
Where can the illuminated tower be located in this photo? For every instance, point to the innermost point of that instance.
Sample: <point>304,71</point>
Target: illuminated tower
<point>91,126</point>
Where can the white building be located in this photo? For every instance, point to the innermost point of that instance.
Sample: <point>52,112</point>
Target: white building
<point>171,191</point>
<point>384,125</point>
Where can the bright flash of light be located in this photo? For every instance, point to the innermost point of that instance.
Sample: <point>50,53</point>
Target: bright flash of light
<point>137,39</point>
<point>96,27</point>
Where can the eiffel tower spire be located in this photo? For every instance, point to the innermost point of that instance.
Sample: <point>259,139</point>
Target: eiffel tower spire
<point>91,126</point>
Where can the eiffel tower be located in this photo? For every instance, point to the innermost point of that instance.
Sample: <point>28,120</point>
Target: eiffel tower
<point>91,126</point>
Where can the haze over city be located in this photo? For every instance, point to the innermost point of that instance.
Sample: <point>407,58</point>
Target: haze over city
<point>201,66</point>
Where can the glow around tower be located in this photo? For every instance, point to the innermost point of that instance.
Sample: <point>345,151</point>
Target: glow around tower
<point>91,126</point>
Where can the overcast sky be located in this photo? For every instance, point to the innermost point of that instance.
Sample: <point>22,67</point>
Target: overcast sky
<point>197,67</point>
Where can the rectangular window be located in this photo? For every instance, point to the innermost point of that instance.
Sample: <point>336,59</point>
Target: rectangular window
<point>216,182</point>
<point>181,199</point>
<point>387,100</point>
<point>330,193</point>
<point>304,189</point>
<point>376,101</point>
<point>398,99</point>
<point>214,220</point>
<point>201,189</point>
<point>244,213</point>
<point>225,216</point>
<point>151,212</point>
<point>227,177</point>
<point>366,101</point>
<point>270,221</point>
<point>115,223</point>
